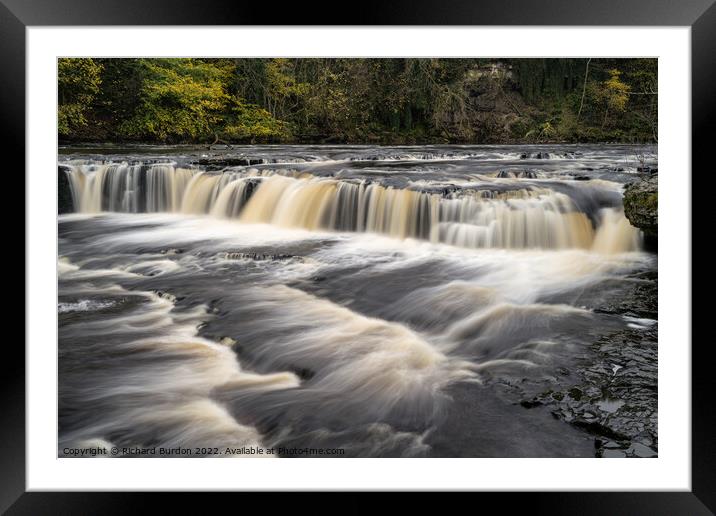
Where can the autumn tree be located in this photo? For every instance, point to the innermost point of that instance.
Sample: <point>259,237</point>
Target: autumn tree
<point>78,82</point>
<point>614,94</point>
<point>390,100</point>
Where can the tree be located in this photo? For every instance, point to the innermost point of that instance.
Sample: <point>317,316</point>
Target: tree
<point>78,81</point>
<point>615,94</point>
<point>391,100</point>
<point>190,99</point>
<point>251,123</point>
<point>642,74</point>
<point>584,88</point>
<point>179,98</point>
<point>284,94</point>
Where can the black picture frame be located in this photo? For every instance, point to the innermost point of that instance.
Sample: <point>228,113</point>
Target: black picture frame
<point>700,15</point>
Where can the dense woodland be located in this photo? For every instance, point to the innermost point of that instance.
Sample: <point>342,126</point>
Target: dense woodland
<point>387,101</point>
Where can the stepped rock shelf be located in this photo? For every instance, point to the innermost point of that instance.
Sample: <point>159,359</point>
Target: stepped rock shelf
<point>440,301</point>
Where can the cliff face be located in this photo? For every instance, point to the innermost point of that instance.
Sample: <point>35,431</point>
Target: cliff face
<point>641,205</point>
<point>496,112</point>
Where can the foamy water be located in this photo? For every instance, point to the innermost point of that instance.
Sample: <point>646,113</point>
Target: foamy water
<point>320,304</point>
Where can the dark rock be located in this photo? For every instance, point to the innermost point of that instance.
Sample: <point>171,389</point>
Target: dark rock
<point>597,428</point>
<point>612,445</point>
<point>613,454</point>
<point>639,450</point>
<point>221,162</point>
<point>64,192</point>
<point>530,403</point>
<point>575,393</point>
<point>641,205</point>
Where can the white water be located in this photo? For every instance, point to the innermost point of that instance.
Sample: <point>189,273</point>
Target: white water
<point>333,304</point>
<point>165,388</point>
<point>527,217</point>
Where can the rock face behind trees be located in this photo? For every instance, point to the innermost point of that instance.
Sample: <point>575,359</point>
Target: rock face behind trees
<point>641,206</point>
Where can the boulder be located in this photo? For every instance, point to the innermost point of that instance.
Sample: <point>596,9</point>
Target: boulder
<point>641,204</point>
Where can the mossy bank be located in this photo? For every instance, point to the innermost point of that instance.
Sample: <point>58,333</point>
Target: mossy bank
<point>641,200</point>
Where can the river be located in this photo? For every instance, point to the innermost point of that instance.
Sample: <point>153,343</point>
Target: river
<point>432,301</point>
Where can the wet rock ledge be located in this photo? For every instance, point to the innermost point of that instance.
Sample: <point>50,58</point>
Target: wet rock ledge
<point>64,193</point>
<point>641,206</point>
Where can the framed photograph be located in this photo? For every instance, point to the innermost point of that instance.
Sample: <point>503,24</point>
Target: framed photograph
<point>418,252</point>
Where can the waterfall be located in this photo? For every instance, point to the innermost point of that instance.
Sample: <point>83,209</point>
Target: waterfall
<point>527,218</point>
<point>615,234</point>
<point>232,198</point>
<point>128,188</point>
<point>516,219</point>
<point>519,219</point>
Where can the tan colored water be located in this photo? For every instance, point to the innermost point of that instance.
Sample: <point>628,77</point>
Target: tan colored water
<point>523,218</point>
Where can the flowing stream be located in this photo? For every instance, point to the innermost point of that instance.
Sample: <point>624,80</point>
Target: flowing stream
<point>478,301</point>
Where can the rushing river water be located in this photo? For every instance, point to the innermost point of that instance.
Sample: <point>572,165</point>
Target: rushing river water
<point>481,301</point>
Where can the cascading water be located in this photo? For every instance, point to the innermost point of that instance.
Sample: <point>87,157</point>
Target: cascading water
<point>531,216</point>
<point>438,301</point>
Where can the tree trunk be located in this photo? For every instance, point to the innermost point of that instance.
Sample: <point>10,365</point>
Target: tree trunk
<point>584,89</point>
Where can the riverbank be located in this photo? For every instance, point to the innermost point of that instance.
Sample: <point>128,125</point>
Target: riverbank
<point>641,206</point>
<point>346,101</point>
<point>387,138</point>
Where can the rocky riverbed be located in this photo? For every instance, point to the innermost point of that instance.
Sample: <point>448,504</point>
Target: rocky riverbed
<point>442,301</point>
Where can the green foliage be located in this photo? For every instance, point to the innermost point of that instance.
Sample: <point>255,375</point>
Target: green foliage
<point>401,100</point>
<point>78,81</point>
<point>282,88</point>
<point>251,123</point>
<point>543,132</point>
<point>614,95</point>
<point>615,92</point>
<point>190,100</point>
<point>547,80</point>
<point>179,99</point>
